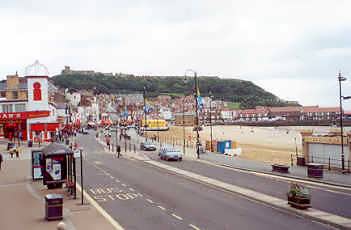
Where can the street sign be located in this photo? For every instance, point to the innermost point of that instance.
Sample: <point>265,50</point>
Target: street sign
<point>76,153</point>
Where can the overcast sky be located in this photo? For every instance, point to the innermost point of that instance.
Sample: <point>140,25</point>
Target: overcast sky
<point>293,49</point>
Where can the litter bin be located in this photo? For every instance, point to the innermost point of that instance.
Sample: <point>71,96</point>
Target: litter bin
<point>315,170</point>
<point>53,207</point>
<point>30,143</point>
<point>301,161</point>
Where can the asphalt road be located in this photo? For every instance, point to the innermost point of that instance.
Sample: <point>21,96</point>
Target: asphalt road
<point>325,199</point>
<point>140,196</point>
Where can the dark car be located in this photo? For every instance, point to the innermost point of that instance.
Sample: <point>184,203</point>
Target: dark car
<point>147,146</point>
<point>85,131</point>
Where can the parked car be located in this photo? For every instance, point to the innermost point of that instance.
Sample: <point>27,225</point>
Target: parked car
<point>147,146</point>
<point>170,154</point>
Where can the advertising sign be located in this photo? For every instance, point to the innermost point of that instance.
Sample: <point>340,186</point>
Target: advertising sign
<point>37,166</point>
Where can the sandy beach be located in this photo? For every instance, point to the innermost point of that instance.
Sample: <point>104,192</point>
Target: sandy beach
<point>267,144</point>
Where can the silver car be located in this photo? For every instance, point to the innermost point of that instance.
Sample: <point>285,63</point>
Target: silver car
<point>170,154</point>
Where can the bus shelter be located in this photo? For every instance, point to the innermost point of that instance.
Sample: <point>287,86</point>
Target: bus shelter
<point>58,166</point>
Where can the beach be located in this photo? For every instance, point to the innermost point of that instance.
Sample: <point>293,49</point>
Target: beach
<point>267,144</point>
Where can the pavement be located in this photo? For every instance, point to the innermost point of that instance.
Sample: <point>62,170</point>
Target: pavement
<point>22,201</point>
<point>143,196</point>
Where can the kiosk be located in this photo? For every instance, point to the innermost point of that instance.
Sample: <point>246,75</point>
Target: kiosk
<point>57,162</point>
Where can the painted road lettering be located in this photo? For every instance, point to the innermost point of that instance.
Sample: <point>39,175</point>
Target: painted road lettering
<point>104,194</point>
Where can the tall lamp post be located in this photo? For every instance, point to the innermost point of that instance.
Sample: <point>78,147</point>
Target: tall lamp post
<point>183,116</point>
<point>340,79</point>
<point>196,114</point>
<point>144,96</point>
<point>210,93</point>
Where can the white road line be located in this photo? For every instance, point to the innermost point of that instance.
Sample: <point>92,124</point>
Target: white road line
<point>162,208</point>
<point>328,218</point>
<point>177,217</point>
<point>112,177</point>
<point>124,185</point>
<point>150,201</point>
<point>117,180</point>
<point>131,189</point>
<point>107,216</point>
<point>194,227</point>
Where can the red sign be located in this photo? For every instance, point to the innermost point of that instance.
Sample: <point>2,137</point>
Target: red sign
<point>23,115</point>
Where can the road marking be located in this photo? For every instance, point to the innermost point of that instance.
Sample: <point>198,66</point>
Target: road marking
<point>162,208</point>
<point>112,177</point>
<point>109,218</point>
<point>177,217</point>
<point>194,227</point>
<point>131,189</point>
<point>328,218</point>
<point>117,180</point>
<point>124,185</point>
<point>150,201</point>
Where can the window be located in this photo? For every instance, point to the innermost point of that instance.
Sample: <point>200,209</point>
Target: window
<point>20,107</point>
<point>7,108</point>
<point>3,94</point>
<point>14,95</point>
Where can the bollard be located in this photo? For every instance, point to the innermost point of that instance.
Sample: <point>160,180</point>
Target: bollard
<point>329,163</point>
<point>134,148</point>
<point>312,158</point>
<point>125,146</point>
<point>130,147</point>
<point>348,166</point>
<point>292,160</point>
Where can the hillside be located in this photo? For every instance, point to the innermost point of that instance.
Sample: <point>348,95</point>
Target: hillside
<point>234,90</point>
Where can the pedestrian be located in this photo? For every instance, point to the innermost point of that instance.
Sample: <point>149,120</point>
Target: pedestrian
<point>17,152</point>
<point>0,160</point>
<point>118,151</point>
<point>19,138</point>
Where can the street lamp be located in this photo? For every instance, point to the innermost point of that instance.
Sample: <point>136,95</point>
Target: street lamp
<point>210,94</point>
<point>340,79</point>
<point>183,123</point>
<point>144,96</point>
<point>196,112</point>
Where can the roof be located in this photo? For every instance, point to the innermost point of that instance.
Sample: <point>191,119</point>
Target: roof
<point>286,109</point>
<point>56,149</point>
<point>312,109</point>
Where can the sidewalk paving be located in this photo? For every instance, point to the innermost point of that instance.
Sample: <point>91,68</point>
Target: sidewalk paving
<point>22,201</point>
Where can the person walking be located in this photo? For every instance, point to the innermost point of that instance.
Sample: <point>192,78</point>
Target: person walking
<point>0,160</point>
<point>118,151</point>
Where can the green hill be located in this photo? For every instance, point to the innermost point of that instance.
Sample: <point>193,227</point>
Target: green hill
<point>241,92</point>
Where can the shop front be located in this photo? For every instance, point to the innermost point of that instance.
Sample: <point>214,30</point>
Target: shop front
<point>14,125</point>
<point>43,131</point>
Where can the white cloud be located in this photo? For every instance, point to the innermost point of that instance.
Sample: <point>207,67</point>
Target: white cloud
<point>281,45</point>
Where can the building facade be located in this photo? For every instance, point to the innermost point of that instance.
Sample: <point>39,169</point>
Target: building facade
<point>30,116</point>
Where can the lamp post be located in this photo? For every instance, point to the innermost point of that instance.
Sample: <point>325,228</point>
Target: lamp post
<point>210,93</point>
<point>196,114</point>
<point>340,79</point>
<point>183,116</point>
<point>81,173</point>
<point>145,118</point>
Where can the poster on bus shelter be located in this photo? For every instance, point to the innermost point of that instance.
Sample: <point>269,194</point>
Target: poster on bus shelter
<point>36,165</point>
